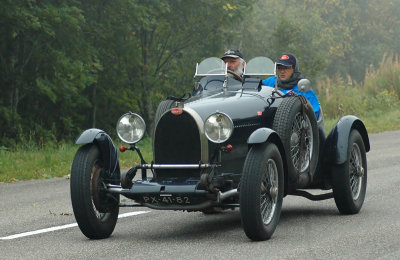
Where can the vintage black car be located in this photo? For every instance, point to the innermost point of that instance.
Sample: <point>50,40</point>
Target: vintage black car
<point>233,143</point>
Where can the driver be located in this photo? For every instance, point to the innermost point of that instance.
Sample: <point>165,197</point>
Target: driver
<point>288,77</point>
<point>235,61</point>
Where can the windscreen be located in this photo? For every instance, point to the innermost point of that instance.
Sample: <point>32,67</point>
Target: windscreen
<point>211,66</point>
<point>260,66</point>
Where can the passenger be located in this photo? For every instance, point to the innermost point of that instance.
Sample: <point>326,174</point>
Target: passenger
<point>235,61</point>
<point>288,77</point>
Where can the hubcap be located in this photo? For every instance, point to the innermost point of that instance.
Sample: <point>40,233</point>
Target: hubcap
<point>269,192</point>
<point>356,171</point>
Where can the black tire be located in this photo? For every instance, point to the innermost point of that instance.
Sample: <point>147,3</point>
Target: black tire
<point>162,107</point>
<point>349,180</point>
<point>262,161</point>
<point>95,222</point>
<point>288,123</point>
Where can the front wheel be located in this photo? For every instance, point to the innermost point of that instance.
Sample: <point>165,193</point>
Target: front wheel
<point>350,178</point>
<point>261,191</point>
<point>96,212</point>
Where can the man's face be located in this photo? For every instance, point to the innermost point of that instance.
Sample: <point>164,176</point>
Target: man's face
<point>284,72</point>
<point>233,63</point>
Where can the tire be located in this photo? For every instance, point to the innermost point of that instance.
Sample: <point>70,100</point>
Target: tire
<point>263,169</point>
<point>289,123</point>
<point>349,180</point>
<point>95,212</point>
<point>162,107</point>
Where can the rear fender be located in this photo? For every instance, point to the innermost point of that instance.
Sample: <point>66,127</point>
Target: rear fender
<point>337,142</point>
<point>107,149</point>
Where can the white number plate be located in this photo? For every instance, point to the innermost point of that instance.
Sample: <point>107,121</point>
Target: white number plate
<point>166,199</point>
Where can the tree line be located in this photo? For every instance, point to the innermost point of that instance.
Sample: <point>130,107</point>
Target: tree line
<point>70,65</point>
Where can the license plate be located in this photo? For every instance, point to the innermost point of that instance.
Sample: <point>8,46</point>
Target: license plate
<point>167,199</point>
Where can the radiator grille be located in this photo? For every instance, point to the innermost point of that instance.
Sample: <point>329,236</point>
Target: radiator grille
<point>177,141</point>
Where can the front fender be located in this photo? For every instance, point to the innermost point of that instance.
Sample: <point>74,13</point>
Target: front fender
<point>262,135</point>
<point>107,148</point>
<point>337,142</point>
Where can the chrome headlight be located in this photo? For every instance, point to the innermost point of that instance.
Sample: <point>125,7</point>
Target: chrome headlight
<point>218,127</point>
<point>131,128</point>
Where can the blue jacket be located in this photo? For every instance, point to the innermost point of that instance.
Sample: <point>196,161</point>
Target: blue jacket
<point>310,95</point>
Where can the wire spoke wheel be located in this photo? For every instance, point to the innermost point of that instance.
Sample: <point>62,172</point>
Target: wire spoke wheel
<point>296,125</point>
<point>261,191</point>
<point>96,211</point>
<point>349,179</point>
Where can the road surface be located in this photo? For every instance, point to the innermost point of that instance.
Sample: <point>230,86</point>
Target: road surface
<point>36,222</point>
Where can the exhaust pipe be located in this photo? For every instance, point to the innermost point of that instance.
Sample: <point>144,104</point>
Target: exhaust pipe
<point>224,195</point>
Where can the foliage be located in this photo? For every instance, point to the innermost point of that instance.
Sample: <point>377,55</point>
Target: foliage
<point>379,93</point>
<point>70,65</point>
<point>329,37</point>
<point>384,81</point>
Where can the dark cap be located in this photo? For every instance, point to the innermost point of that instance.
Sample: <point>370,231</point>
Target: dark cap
<point>232,54</point>
<point>287,60</point>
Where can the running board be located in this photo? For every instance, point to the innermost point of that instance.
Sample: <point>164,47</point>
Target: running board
<point>310,196</point>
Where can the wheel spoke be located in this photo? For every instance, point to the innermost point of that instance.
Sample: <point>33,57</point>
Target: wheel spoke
<point>355,166</point>
<point>268,197</point>
<point>301,124</point>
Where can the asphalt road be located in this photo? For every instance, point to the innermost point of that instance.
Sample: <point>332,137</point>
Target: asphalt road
<point>307,229</point>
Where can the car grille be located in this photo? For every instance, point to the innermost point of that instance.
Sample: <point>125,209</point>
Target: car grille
<point>177,141</point>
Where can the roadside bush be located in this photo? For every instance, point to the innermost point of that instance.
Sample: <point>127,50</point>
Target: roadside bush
<point>384,79</point>
<point>380,92</point>
<point>339,98</point>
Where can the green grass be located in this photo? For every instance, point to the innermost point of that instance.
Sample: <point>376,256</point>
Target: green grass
<point>30,162</point>
<point>35,163</point>
<point>375,121</point>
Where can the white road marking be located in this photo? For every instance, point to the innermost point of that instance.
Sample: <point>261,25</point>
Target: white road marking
<point>45,230</point>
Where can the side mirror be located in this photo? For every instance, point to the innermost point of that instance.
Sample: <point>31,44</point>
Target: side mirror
<point>304,85</point>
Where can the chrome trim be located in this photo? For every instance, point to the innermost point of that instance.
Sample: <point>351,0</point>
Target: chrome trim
<point>203,138</point>
<point>230,119</point>
<point>130,114</point>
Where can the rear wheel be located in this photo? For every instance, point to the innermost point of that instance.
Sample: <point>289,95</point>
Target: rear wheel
<point>261,191</point>
<point>350,178</point>
<point>96,211</point>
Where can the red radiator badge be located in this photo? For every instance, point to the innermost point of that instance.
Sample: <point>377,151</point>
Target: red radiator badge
<point>176,111</point>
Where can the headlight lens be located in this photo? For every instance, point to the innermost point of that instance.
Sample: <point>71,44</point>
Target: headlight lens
<point>131,128</point>
<point>218,127</point>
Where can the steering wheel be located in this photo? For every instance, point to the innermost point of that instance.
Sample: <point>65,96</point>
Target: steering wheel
<point>238,77</point>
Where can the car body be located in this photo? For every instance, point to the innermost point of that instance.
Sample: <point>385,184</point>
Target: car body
<point>233,143</point>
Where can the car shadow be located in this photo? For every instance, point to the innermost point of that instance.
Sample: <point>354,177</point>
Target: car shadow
<point>288,214</point>
<point>192,227</point>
